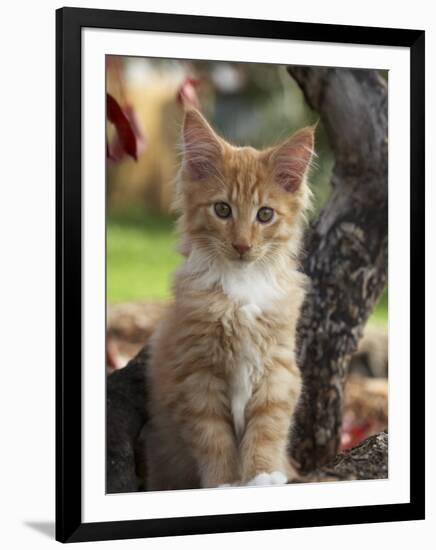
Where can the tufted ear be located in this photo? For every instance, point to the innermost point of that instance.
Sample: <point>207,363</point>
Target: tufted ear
<point>291,160</point>
<point>201,146</point>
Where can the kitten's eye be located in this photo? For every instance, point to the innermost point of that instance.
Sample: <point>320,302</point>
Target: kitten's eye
<point>265,214</point>
<point>222,210</point>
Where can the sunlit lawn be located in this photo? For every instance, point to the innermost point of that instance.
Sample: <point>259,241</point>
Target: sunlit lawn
<point>141,255</point>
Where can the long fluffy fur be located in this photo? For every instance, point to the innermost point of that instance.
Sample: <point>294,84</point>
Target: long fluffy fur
<point>223,378</point>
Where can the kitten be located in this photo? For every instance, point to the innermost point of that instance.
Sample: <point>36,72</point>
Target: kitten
<point>223,379</point>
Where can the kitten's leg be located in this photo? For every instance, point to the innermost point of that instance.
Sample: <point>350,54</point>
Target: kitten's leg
<point>169,464</point>
<point>264,447</point>
<point>214,448</point>
<point>205,423</point>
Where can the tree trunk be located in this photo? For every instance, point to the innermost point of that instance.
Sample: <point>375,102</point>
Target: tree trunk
<point>367,460</point>
<point>346,250</point>
<point>126,414</point>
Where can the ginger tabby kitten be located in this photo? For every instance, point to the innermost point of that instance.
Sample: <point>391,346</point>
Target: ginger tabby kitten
<point>222,376</point>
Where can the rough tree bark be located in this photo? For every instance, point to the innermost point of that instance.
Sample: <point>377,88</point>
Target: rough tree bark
<point>126,406</point>
<point>367,460</point>
<point>346,260</point>
<point>346,249</point>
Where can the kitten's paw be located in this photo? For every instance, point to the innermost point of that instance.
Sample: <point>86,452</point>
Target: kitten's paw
<point>234,484</point>
<point>264,479</point>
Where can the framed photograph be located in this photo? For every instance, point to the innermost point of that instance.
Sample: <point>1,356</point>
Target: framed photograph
<point>233,352</point>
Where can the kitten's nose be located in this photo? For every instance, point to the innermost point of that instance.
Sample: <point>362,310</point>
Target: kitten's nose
<point>241,248</point>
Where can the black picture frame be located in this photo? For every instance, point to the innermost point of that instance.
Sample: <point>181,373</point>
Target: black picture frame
<point>69,23</point>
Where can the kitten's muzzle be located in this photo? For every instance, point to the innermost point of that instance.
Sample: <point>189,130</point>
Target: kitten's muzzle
<point>241,248</point>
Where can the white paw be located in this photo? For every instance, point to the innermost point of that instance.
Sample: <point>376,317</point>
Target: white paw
<point>224,485</point>
<point>264,479</point>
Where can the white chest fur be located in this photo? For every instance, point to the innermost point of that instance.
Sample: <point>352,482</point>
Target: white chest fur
<point>247,371</point>
<point>253,289</point>
<point>251,285</point>
<point>240,393</point>
<point>247,284</point>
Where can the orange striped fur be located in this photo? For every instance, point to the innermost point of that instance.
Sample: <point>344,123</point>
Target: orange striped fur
<point>223,379</point>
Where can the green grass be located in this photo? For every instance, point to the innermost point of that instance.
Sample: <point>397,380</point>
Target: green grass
<point>380,314</point>
<point>141,256</point>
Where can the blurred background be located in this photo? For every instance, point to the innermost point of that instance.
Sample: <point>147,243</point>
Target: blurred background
<point>248,104</point>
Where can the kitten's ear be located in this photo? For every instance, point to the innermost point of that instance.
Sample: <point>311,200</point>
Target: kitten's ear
<point>201,146</point>
<point>291,160</point>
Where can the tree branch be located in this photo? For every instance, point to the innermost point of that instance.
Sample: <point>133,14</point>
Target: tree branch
<point>367,460</point>
<point>346,250</point>
<point>126,414</point>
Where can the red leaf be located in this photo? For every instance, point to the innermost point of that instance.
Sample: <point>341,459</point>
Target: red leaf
<point>353,432</point>
<point>126,134</point>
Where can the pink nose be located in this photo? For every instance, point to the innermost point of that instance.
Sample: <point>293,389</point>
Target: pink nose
<point>241,248</point>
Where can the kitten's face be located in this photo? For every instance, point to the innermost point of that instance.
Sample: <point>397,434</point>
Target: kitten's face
<point>240,204</point>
